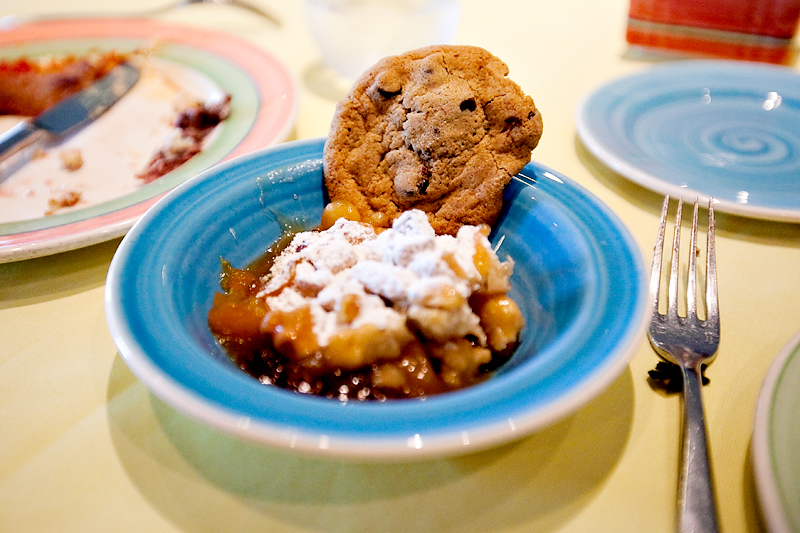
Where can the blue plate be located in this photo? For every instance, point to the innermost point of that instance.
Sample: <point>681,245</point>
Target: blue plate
<point>723,129</point>
<point>579,280</point>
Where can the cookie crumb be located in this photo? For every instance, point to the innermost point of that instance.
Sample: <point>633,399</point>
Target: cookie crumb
<point>66,199</point>
<point>71,159</point>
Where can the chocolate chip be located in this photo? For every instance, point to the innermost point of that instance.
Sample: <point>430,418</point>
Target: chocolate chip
<point>511,123</point>
<point>387,95</point>
<point>468,105</point>
<point>423,186</point>
<point>422,153</point>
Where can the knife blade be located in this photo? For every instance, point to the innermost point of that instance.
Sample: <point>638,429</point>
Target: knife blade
<point>72,112</point>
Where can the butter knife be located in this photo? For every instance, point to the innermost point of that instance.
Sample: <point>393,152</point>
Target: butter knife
<point>72,112</point>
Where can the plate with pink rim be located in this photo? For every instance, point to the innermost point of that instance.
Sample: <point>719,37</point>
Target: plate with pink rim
<point>182,64</point>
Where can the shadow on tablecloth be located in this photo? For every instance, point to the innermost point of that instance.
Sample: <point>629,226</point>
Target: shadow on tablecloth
<point>203,480</point>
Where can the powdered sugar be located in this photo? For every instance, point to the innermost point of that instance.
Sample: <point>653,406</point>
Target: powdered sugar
<point>405,277</point>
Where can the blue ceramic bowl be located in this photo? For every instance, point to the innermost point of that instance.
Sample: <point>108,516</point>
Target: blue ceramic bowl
<point>579,280</point>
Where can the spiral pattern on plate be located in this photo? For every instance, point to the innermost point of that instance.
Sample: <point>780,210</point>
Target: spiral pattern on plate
<point>746,146</point>
<point>721,129</point>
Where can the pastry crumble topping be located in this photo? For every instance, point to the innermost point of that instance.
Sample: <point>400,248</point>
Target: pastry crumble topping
<point>355,313</point>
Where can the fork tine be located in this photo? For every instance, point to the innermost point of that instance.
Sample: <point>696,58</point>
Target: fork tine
<point>712,299</point>
<point>691,282</point>
<point>658,251</point>
<point>675,266</point>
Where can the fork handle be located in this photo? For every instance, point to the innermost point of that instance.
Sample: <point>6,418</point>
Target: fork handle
<point>697,506</point>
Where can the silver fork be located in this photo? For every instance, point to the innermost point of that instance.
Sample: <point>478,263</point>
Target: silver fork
<point>689,342</point>
<point>8,22</point>
<point>241,4</point>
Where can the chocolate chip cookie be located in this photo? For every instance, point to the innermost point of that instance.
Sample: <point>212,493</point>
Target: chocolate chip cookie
<point>441,129</point>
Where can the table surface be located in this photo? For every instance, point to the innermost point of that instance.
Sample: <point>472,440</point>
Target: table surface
<point>85,446</point>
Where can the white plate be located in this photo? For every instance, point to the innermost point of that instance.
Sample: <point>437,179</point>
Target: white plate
<point>776,442</point>
<point>114,149</point>
<point>207,64</point>
<point>721,129</point>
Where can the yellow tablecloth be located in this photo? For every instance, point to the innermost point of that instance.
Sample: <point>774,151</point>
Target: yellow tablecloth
<point>85,447</point>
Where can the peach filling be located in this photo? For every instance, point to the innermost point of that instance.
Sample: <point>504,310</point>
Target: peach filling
<point>447,336</point>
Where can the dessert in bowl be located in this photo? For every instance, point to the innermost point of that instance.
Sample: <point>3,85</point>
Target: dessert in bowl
<point>579,281</point>
<point>356,312</point>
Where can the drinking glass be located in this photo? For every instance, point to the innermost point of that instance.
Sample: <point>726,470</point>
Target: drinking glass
<point>352,35</point>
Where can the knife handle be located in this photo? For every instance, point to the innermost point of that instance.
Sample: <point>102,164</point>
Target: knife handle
<point>19,137</point>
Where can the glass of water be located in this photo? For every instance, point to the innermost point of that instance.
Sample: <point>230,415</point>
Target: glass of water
<point>352,35</point>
